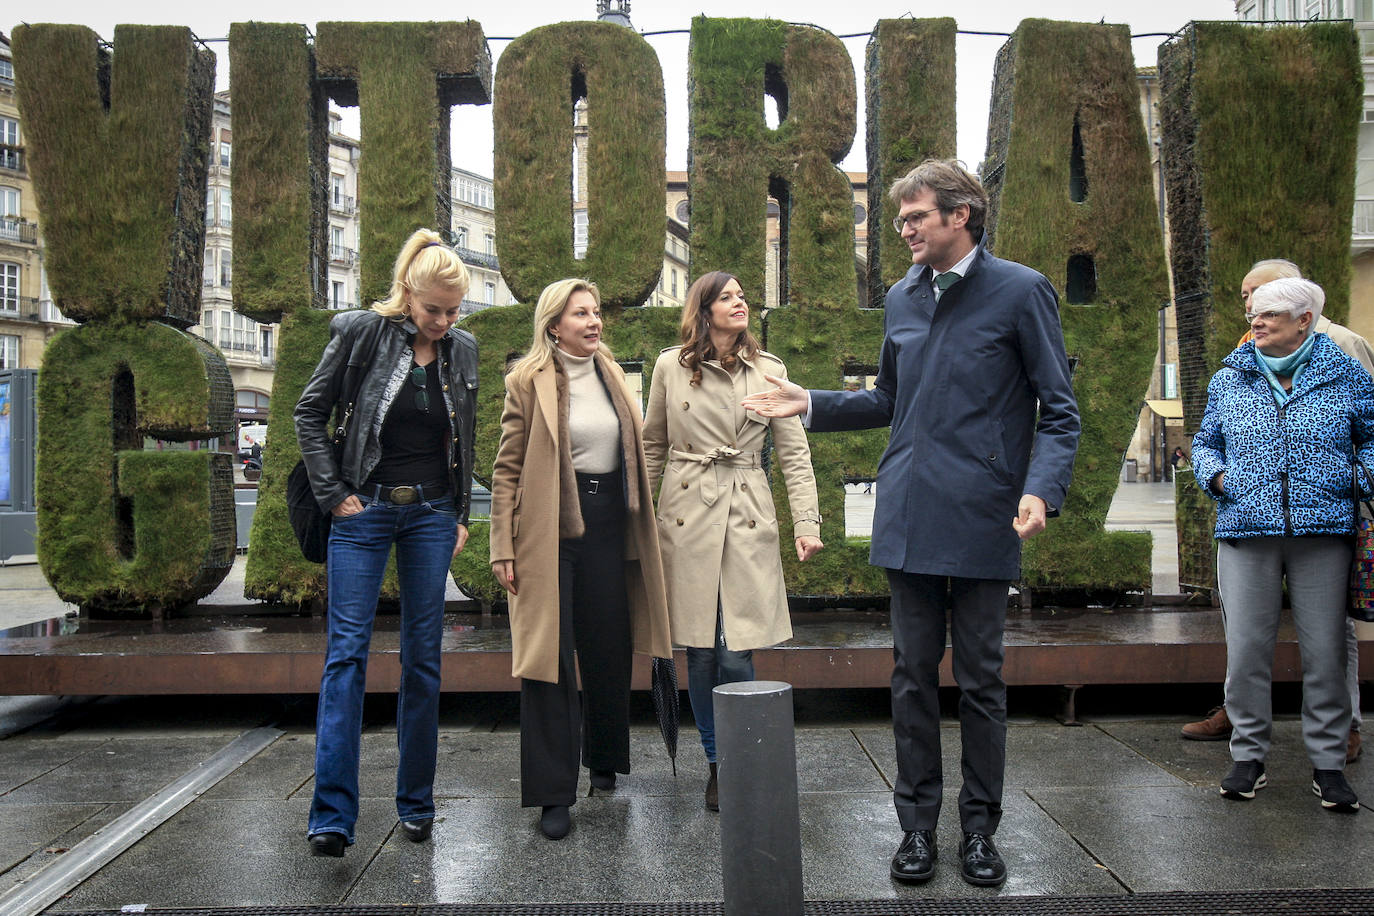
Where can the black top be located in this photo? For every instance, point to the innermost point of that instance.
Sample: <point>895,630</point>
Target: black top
<point>413,438</point>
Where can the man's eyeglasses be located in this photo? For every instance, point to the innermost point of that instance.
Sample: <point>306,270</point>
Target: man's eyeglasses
<point>418,379</point>
<point>915,219</point>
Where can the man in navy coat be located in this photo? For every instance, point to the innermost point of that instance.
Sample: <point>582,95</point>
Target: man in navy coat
<point>972,344</point>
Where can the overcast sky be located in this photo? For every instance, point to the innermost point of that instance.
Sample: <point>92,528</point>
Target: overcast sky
<point>472,125</point>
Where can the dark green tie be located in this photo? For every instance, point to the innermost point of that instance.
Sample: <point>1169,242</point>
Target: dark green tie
<point>945,280</point>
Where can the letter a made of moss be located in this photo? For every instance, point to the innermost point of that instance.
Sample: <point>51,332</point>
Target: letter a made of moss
<point>1259,154</point>
<point>539,77</point>
<point>122,530</point>
<point>119,146</point>
<point>1051,204</point>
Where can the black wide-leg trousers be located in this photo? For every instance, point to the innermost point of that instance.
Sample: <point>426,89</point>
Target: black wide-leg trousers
<point>559,724</point>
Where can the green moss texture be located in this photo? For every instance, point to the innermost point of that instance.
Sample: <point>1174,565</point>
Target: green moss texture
<point>404,77</point>
<point>119,150</point>
<point>122,530</point>
<point>540,76</point>
<point>280,171</point>
<point>910,113</point>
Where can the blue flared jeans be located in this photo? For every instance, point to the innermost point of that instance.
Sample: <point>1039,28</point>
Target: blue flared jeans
<point>423,534</point>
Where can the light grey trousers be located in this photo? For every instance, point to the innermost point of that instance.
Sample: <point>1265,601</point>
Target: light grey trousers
<point>1251,573</point>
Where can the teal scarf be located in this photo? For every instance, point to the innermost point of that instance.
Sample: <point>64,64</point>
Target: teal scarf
<point>1290,365</point>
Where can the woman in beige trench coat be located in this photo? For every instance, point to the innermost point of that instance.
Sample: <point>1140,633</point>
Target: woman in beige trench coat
<point>573,540</point>
<point>717,525</point>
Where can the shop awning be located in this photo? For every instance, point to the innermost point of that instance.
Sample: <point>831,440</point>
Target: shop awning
<point>1170,409</point>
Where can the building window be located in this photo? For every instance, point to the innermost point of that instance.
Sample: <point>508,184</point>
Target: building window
<point>224,154</point>
<point>226,213</point>
<point>9,288</point>
<point>207,323</point>
<point>265,335</point>
<point>337,186</point>
<point>209,206</point>
<point>580,234</point>
<point>11,156</point>
<point>674,273</point>
<point>460,237</point>
<point>9,351</point>
<point>9,203</point>
<point>681,212</point>
<point>226,268</point>
<point>7,71</point>
<point>336,288</point>
<point>226,332</point>
<point>489,293</point>
<point>490,241</point>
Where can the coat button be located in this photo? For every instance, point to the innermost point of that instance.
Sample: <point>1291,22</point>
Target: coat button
<point>744,486</point>
<point>684,485</point>
<point>752,523</point>
<point>446,387</point>
<point>679,523</point>
<point>686,405</point>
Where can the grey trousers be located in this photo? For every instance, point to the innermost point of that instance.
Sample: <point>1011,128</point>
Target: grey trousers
<point>1352,673</point>
<point>1250,573</point>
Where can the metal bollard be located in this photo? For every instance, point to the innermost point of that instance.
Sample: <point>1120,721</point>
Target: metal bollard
<point>760,824</point>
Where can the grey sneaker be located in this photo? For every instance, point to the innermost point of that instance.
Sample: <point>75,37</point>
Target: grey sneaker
<point>1334,791</point>
<point>1246,777</point>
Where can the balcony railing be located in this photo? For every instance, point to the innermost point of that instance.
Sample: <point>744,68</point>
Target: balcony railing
<point>477,258</point>
<point>342,203</point>
<point>20,308</point>
<point>341,255</point>
<point>49,312</point>
<point>12,158</point>
<point>13,229</point>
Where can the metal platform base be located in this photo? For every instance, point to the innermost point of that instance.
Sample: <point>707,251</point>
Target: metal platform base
<point>1322,902</point>
<point>280,654</point>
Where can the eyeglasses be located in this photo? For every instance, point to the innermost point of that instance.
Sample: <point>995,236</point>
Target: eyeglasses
<point>915,219</point>
<point>1267,317</point>
<point>418,379</point>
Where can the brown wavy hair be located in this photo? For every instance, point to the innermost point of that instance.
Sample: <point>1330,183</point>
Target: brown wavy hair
<point>696,327</point>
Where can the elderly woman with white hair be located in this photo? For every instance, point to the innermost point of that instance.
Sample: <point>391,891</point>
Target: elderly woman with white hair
<point>1284,416</point>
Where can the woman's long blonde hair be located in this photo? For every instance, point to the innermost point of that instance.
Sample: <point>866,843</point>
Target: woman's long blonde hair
<point>424,263</point>
<point>547,311</point>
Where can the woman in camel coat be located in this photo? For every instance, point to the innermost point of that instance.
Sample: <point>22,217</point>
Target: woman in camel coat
<point>574,542</point>
<point>717,523</point>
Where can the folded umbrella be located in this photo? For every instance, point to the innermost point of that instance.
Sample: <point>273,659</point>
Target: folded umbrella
<point>663,687</point>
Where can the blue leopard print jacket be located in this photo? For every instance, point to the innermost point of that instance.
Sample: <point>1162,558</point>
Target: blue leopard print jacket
<point>1288,469</point>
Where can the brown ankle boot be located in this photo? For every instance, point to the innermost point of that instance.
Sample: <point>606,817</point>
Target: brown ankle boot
<point>712,795</point>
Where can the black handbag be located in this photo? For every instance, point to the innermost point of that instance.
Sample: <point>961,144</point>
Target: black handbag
<point>308,520</point>
<point>1361,603</point>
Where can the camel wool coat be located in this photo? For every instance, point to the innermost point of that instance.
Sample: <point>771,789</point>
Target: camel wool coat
<point>716,521</point>
<point>526,501</point>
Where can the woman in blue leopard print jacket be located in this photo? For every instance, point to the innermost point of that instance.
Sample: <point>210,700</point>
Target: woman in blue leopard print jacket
<point>1284,417</point>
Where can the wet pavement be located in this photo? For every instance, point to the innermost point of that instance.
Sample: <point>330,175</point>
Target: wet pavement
<point>1117,806</point>
<point>1120,805</point>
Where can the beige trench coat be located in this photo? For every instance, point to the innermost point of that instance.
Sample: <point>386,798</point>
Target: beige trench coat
<point>716,520</point>
<point>525,501</point>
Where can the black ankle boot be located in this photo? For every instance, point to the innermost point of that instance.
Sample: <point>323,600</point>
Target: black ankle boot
<point>712,793</point>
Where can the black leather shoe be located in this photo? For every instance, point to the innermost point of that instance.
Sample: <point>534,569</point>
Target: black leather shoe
<point>417,831</point>
<point>603,780</point>
<point>555,822</point>
<point>915,858</point>
<point>983,865</point>
<point>328,844</point>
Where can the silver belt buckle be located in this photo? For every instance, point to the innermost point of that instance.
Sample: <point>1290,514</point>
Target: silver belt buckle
<point>595,486</point>
<point>402,496</point>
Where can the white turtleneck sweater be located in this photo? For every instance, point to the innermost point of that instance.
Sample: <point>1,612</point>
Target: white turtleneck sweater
<point>592,424</point>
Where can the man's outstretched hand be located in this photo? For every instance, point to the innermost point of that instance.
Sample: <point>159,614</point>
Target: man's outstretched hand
<point>786,400</point>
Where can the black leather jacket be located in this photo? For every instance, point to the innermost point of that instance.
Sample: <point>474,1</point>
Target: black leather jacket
<point>385,365</point>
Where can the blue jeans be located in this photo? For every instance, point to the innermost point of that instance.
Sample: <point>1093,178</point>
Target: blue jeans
<point>708,669</point>
<point>424,534</point>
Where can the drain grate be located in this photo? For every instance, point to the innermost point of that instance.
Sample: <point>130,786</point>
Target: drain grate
<point>1319,902</point>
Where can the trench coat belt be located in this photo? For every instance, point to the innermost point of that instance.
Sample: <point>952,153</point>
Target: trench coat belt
<point>711,462</point>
